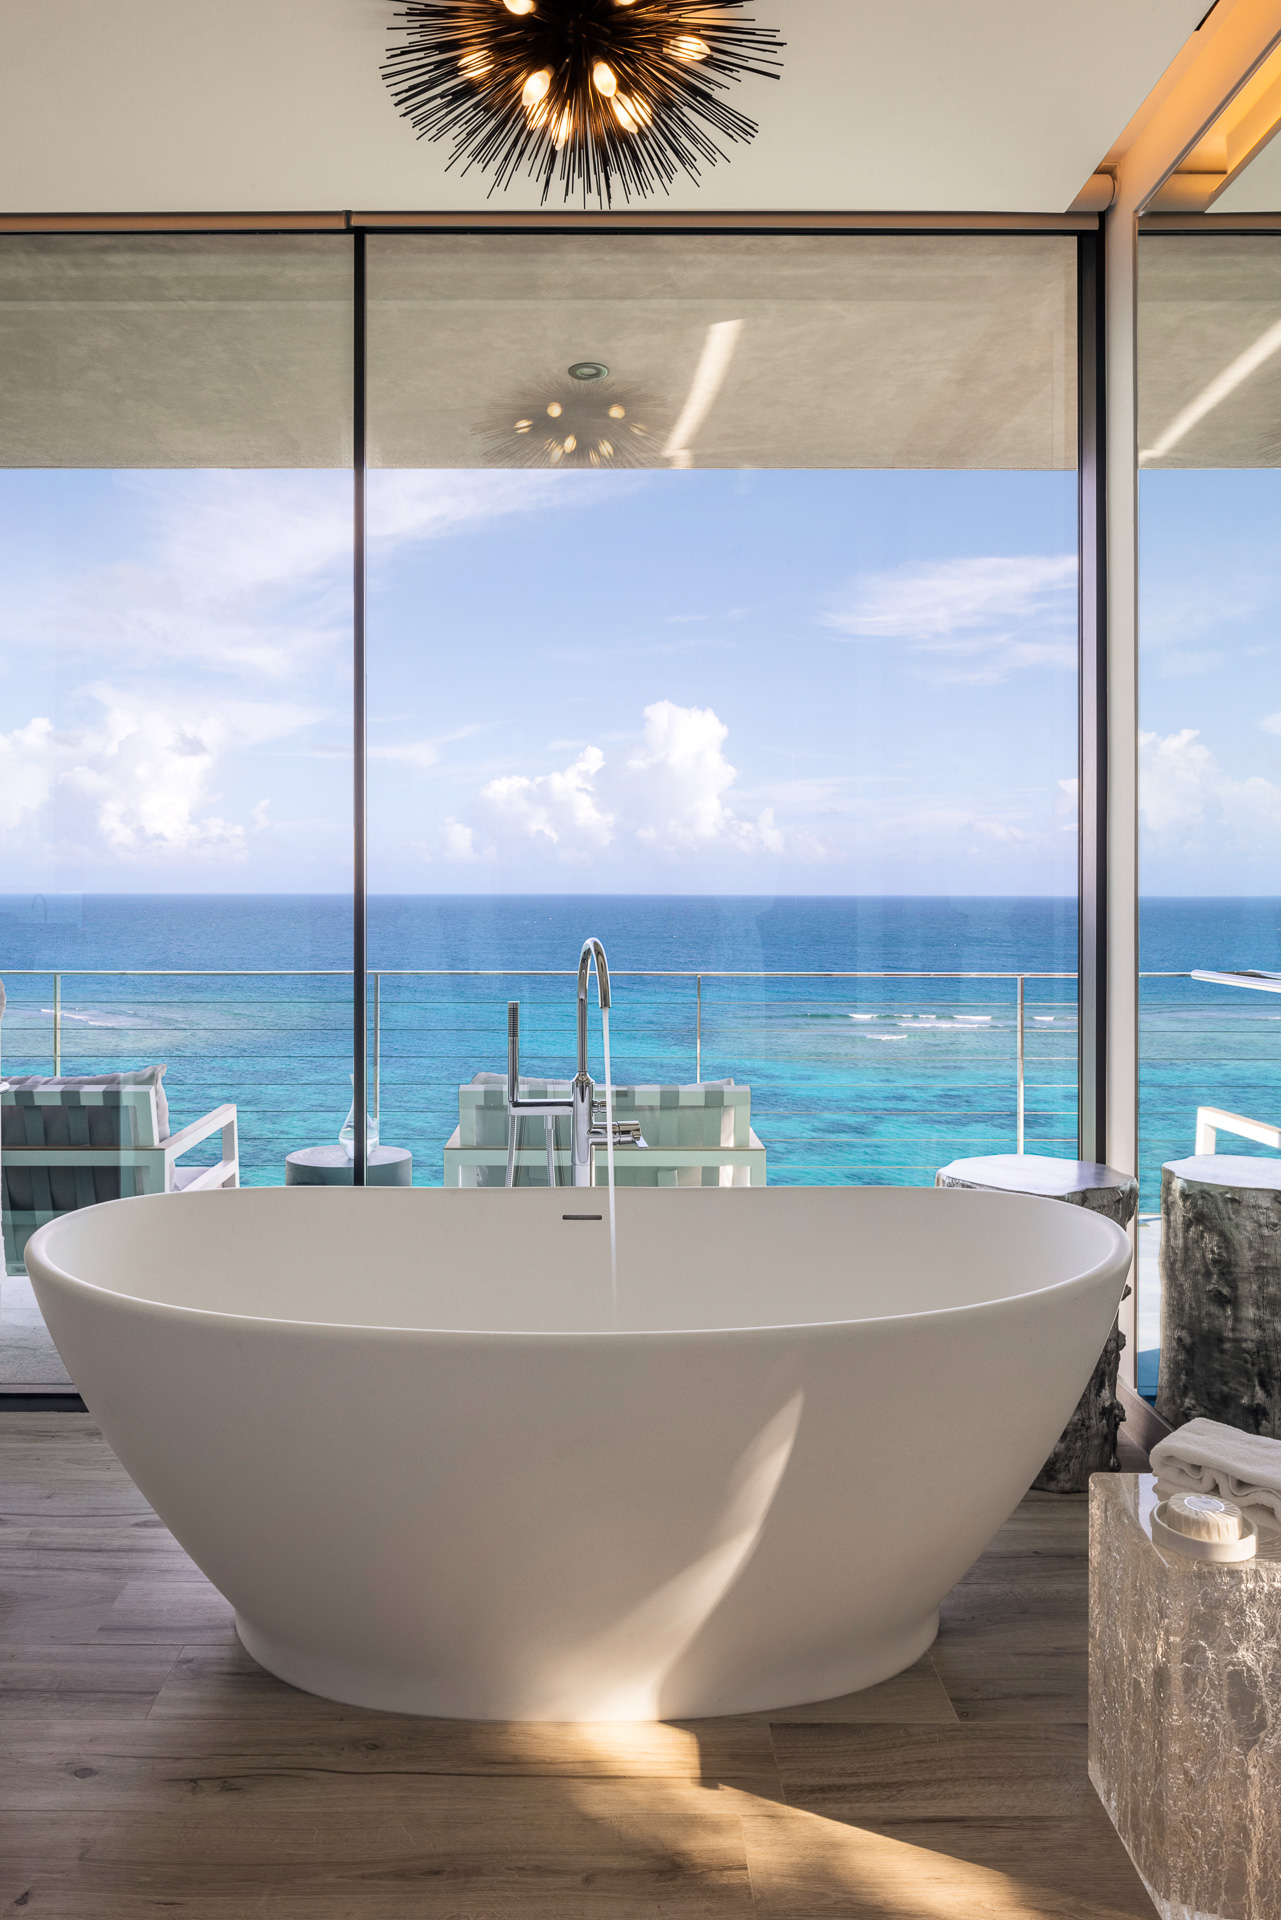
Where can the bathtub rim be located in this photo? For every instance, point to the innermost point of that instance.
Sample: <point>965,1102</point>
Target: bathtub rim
<point>58,1276</point>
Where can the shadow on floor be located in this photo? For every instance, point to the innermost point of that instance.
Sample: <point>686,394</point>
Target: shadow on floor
<point>152,1767</point>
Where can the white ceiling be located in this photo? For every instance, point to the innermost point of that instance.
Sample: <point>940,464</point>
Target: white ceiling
<point>274,105</point>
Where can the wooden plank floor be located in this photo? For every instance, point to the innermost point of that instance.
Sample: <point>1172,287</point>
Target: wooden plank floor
<point>148,1767</point>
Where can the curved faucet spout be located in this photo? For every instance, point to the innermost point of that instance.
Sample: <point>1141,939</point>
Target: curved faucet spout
<point>592,950</point>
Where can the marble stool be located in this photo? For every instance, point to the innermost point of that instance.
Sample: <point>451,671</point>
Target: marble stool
<point>1088,1442</point>
<point>330,1167</point>
<point>1185,1710</point>
<point>1221,1292</point>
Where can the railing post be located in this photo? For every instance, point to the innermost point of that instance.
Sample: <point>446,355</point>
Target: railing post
<point>378,1041</point>
<point>698,1033</point>
<point>57,1025</point>
<point>1019,1123</point>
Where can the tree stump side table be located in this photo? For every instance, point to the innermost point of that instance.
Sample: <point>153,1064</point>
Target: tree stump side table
<point>1088,1442</point>
<point>1221,1292</point>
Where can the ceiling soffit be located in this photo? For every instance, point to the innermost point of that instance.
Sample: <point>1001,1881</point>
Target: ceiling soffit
<point>1209,350</point>
<point>235,351</point>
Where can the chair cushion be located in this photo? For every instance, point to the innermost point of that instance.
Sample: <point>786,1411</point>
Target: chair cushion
<point>98,1121</point>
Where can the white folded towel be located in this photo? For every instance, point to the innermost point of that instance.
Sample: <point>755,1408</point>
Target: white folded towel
<point>1207,1457</point>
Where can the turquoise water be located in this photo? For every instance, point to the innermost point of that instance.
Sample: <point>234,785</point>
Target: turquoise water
<point>852,1080</point>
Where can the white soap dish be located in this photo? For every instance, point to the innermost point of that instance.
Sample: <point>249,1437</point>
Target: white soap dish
<point>1175,1541</point>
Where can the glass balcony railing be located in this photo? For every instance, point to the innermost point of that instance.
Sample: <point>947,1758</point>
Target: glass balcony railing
<point>855,1076</point>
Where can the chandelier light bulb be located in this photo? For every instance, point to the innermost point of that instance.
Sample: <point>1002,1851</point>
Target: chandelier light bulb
<point>603,79</point>
<point>535,88</point>
<point>519,6</point>
<point>474,64</point>
<point>586,422</point>
<point>623,113</point>
<point>688,46</point>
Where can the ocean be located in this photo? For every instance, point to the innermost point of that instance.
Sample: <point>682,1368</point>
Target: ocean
<point>867,1080</point>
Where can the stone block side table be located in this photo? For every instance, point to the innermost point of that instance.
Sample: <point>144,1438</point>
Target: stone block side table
<point>1221,1292</point>
<point>1088,1442</point>
<point>1185,1710</point>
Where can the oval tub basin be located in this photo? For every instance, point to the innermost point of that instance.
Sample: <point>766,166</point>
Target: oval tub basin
<point>438,1467</point>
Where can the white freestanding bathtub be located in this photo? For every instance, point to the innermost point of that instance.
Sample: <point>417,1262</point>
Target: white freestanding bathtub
<point>410,1438</point>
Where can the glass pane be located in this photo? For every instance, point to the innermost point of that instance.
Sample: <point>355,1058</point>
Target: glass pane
<point>723,606</point>
<point>175,742</point>
<point>1210,705</point>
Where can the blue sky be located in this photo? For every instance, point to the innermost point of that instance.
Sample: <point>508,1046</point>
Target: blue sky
<point>1210,681</point>
<point>746,682</point>
<point>721,681</point>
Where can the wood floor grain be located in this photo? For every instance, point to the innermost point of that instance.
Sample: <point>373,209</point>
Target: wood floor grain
<point>148,1766</point>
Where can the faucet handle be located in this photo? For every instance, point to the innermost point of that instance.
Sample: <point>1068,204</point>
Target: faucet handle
<point>513,1051</point>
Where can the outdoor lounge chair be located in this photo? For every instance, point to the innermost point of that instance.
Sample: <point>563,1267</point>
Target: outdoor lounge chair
<point>695,1136</point>
<point>72,1142</point>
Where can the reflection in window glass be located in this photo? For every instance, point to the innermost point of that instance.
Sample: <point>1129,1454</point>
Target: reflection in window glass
<point>1210,704</point>
<point>723,605</point>
<point>175,713</point>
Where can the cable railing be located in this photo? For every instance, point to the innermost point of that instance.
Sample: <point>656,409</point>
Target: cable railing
<point>697,976</point>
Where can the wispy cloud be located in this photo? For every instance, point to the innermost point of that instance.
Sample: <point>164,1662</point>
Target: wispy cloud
<point>250,573</point>
<point>976,619</point>
<point>425,754</point>
<point>701,619</point>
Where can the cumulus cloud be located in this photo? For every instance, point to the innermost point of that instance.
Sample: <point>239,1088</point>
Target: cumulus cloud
<point>1187,799</point>
<point>137,782</point>
<point>668,794</point>
<point>678,779</point>
<point>458,841</point>
<point>560,809</point>
<point>977,619</point>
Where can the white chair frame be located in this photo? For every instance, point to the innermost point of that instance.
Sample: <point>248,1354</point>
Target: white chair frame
<point>1211,1121</point>
<point>158,1164</point>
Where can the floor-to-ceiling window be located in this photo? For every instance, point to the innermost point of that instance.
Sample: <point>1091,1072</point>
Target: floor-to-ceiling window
<point>175,685</point>
<point>723,604</point>
<point>1210,703</point>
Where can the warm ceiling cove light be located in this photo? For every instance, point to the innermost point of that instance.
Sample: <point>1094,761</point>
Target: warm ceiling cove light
<point>584,425</point>
<point>603,94</point>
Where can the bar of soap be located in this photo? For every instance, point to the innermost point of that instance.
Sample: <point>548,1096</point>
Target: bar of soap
<point>1203,1516</point>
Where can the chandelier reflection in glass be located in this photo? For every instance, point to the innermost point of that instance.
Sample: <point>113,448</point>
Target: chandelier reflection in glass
<point>578,424</point>
<point>602,93</point>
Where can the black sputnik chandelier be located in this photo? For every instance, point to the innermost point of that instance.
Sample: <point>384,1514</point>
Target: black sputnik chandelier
<point>603,93</point>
